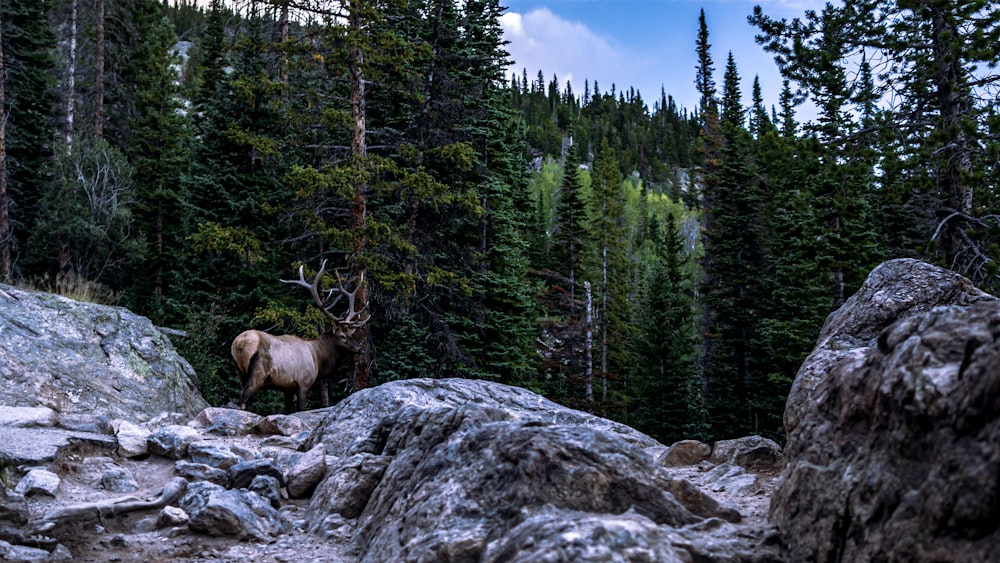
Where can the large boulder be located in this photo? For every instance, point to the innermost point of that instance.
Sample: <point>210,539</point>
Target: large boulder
<point>893,447</point>
<point>86,358</point>
<point>472,470</point>
<point>895,290</point>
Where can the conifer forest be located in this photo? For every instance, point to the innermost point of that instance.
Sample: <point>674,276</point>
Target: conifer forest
<point>663,266</point>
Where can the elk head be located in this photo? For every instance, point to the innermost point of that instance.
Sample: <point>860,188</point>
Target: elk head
<point>346,324</point>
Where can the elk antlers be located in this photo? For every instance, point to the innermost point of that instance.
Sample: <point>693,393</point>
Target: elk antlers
<point>333,296</point>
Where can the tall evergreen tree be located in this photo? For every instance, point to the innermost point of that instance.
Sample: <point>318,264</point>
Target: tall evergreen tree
<point>937,57</point>
<point>668,403</point>
<point>610,265</point>
<point>29,69</point>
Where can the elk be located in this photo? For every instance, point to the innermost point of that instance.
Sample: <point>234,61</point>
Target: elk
<point>292,364</point>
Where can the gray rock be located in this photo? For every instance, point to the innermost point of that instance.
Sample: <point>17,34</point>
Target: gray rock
<point>895,453</point>
<point>119,480</point>
<point>132,438</point>
<point>94,423</point>
<point>38,482</point>
<point>555,535</point>
<point>243,473</point>
<point>458,474</point>
<point>730,478</point>
<point>171,516</point>
<point>13,507</point>
<point>201,472</point>
<point>895,290</point>
<point>752,452</point>
<point>172,441</point>
<point>281,425</point>
<point>23,554</point>
<point>356,424</point>
<point>40,446</point>
<point>213,454</point>
<point>685,452</point>
<point>225,422</point>
<point>307,472</point>
<point>268,488</point>
<point>22,417</point>
<point>75,357</point>
<point>242,514</point>
<point>348,485</point>
<point>334,528</point>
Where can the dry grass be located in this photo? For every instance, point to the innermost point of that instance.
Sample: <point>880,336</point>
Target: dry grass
<point>74,287</point>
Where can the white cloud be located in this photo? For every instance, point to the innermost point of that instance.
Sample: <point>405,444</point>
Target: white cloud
<point>541,40</point>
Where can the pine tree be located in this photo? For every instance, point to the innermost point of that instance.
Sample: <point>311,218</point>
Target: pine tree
<point>158,146</point>
<point>610,265</point>
<point>932,49</point>
<point>28,99</point>
<point>667,402</point>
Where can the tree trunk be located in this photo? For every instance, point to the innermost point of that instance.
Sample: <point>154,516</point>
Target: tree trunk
<point>158,275</point>
<point>588,346</point>
<point>359,208</point>
<point>71,78</point>
<point>6,238</point>
<point>953,104</point>
<point>604,291</point>
<point>99,79</point>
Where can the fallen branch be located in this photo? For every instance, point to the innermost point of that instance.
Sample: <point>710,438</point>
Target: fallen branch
<point>87,511</point>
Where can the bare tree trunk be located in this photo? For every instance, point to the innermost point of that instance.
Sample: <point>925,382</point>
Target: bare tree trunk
<point>604,292</point>
<point>284,46</point>
<point>158,276</point>
<point>956,154</point>
<point>588,379</point>
<point>6,237</point>
<point>99,79</point>
<point>359,208</point>
<point>71,78</point>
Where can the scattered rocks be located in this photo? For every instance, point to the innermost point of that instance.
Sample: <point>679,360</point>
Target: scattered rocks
<point>892,455</point>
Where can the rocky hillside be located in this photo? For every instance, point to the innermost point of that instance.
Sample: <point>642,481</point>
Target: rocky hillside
<point>892,454</point>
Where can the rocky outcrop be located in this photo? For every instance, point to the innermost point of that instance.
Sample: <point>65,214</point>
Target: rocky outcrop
<point>409,471</point>
<point>464,470</point>
<point>895,290</point>
<point>894,426</point>
<point>74,357</point>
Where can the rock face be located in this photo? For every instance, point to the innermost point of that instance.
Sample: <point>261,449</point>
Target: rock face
<point>894,426</point>
<point>894,290</point>
<point>461,470</point>
<point>83,358</point>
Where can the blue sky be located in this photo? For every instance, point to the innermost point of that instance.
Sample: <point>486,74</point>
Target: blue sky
<point>645,44</point>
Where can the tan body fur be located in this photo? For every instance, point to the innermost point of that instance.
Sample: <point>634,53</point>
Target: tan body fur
<point>287,363</point>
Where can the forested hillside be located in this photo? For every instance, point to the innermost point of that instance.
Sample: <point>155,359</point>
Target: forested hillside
<point>667,267</point>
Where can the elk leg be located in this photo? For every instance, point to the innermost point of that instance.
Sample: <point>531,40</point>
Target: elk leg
<point>246,393</point>
<point>324,393</point>
<point>288,402</point>
<point>302,397</point>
